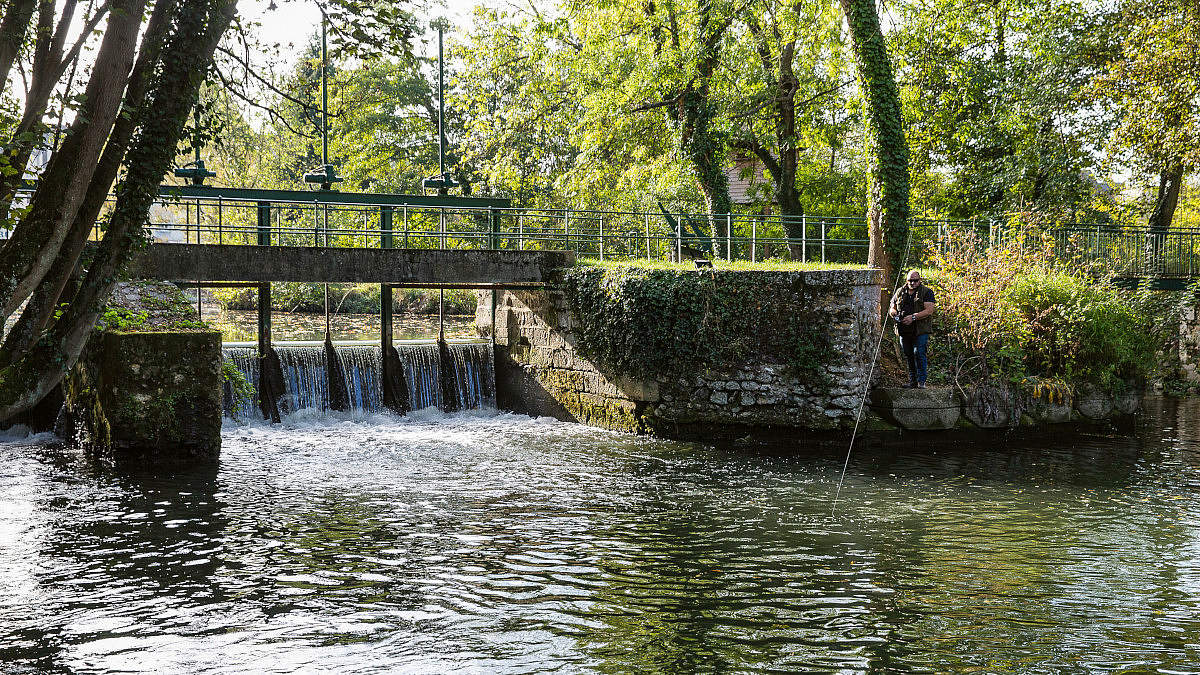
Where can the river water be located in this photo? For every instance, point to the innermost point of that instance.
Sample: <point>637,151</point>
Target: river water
<point>495,543</point>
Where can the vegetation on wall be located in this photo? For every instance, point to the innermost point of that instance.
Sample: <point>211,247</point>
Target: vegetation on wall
<point>656,323</point>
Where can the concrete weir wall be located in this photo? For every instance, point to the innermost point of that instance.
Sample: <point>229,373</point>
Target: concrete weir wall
<point>147,389</point>
<point>751,381</point>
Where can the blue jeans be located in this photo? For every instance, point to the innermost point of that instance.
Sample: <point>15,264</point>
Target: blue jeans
<point>913,348</point>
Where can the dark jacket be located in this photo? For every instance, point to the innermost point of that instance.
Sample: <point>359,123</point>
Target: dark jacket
<point>907,302</point>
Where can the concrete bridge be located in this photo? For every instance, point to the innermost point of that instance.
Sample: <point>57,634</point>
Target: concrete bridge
<point>424,268</point>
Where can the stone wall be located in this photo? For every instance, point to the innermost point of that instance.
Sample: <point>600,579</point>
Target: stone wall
<point>544,367</point>
<point>148,387</point>
<point>1189,345</point>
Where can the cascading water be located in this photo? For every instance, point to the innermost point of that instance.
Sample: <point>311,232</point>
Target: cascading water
<point>470,370</point>
<point>363,369</point>
<point>422,373</point>
<point>305,380</point>
<point>474,375</point>
<point>242,405</point>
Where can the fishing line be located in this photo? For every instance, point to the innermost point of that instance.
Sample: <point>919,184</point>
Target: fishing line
<point>867,383</point>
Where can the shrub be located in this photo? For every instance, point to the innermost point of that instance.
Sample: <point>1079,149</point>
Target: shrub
<point>1012,311</point>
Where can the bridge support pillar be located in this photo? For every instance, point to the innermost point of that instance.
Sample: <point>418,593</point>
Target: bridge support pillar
<point>270,372</point>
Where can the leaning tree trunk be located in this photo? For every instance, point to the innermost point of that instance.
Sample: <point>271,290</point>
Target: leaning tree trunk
<point>28,254</point>
<point>42,304</point>
<point>13,28</point>
<point>161,116</point>
<point>699,141</point>
<point>887,196</point>
<point>1169,182</point>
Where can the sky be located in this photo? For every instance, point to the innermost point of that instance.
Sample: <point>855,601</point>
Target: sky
<point>294,20</point>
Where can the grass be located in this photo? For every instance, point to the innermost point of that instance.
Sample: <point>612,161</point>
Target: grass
<point>736,265</point>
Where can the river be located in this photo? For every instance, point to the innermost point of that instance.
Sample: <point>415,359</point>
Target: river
<point>495,543</point>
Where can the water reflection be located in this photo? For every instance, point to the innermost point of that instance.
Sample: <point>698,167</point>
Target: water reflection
<point>497,543</point>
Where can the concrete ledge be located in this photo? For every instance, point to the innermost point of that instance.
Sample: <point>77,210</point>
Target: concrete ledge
<point>211,262</point>
<point>918,409</point>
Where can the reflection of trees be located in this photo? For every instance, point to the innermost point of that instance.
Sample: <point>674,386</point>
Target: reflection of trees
<point>734,573</point>
<point>157,537</point>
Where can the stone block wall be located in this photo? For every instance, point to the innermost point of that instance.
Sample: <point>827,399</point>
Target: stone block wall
<point>543,367</point>
<point>148,386</point>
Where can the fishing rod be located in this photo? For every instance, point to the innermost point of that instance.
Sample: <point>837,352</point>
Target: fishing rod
<point>867,383</point>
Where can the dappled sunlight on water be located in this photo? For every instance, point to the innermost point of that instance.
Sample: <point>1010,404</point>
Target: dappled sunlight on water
<point>490,542</point>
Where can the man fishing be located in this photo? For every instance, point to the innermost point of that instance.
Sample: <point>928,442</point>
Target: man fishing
<point>912,308</point>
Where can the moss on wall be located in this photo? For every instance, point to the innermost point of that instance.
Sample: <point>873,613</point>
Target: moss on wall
<point>647,323</point>
<point>149,384</point>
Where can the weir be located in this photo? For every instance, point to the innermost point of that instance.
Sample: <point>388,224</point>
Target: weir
<point>446,376</point>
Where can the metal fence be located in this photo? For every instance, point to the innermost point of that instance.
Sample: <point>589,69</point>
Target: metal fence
<point>599,234</point>
<point>323,220</point>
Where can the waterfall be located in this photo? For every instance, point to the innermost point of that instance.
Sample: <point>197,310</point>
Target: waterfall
<point>469,381</point>
<point>363,370</point>
<point>305,379</point>
<point>245,405</point>
<point>422,373</point>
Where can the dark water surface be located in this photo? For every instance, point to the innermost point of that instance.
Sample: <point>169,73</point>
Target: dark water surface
<point>498,543</point>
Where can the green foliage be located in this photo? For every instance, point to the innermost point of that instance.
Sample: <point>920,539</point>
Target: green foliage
<point>239,386</point>
<point>1080,329</point>
<point>123,319</point>
<point>996,104</point>
<point>1011,312</point>
<point>659,323</point>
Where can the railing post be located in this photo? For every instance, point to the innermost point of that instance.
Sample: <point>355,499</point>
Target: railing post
<point>386,217</point>
<point>647,236</point>
<point>601,238</point>
<point>567,229</point>
<point>264,223</point>
<point>220,220</point>
<point>754,239</point>
<point>822,240</point>
<point>729,237</point>
<point>803,238</point>
<point>493,228</point>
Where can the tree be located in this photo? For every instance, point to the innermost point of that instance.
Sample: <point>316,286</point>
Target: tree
<point>1150,87</point>
<point>887,197</point>
<point>129,122</point>
<point>992,92</point>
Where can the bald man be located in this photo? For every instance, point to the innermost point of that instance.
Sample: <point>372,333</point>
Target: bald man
<point>912,308</point>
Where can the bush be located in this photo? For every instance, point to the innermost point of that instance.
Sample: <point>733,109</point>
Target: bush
<point>1011,311</point>
<point>1080,329</point>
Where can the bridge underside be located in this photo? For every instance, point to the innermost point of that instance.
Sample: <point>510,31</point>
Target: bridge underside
<point>200,263</point>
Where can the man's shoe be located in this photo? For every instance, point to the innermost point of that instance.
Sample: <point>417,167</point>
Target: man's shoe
<point>921,385</point>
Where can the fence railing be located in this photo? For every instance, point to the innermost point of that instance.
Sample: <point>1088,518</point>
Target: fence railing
<point>1110,249</point>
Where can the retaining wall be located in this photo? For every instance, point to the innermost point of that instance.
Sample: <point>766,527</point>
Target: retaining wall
<point>546,366</point>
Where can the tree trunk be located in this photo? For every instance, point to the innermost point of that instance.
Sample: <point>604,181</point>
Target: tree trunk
<point>35,242</point>
<point>887,197</point>
<point>196,31</point>
<point>695,113</point>
<point>1169,182</point>
<point>45,299</point>
<point>48,66</point>
<point>17,15</point>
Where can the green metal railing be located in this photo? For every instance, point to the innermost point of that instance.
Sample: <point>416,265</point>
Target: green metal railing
<point>207,215</point>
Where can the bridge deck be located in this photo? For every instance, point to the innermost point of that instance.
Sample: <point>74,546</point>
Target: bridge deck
<point>432,267</point>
